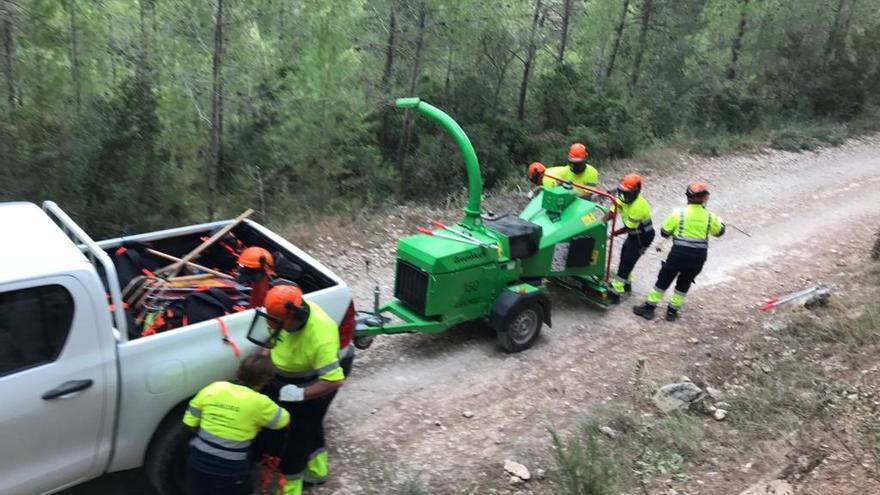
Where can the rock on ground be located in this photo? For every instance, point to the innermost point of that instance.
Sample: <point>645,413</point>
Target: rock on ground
<point>677,396</point>
<point>517,470</point>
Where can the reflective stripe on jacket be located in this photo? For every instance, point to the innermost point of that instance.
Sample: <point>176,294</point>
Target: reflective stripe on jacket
<point>229,416</point>
<point>635,216</point>
<point>311,352</point>
<point>692,225</point>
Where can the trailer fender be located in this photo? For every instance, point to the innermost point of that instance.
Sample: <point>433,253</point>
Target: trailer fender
<point>514,296</point>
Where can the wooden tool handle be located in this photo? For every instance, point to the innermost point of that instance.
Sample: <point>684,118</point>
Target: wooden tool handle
<point>172,269</point>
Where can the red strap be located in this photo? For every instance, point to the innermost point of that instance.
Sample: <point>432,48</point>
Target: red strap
<point>221,244</point>
<point>151,330</point>
<point>225,333</point>
<point>270,467</point>
<point>229,248</point>
<point>147,272</point>
<point>121,251</point>
<point>112,308</point>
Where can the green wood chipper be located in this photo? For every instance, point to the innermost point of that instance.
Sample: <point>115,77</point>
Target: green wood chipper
<point>494,268</point>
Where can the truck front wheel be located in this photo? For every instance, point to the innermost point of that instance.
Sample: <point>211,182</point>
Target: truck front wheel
<point>523,327</point>
<point>165,463</point>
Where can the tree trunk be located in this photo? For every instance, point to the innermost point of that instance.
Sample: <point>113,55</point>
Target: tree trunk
<point>736,43</point>
<point>446,81</point>
<point>70,7</point>
<point>499,83</point>
<point>387,74</point>
<point>563,41</point>
<point>840,28</point>
<point>146,66</point>
<point>261,191</point>
<point>618,34</point>
<point>844,32</point>
<point>527,64</point>
<point>141,70</point>
<point>215,152</point>
<point>643,36</point>
<point>389,53</point>
<point>413,84</point>
<point>8,56</point>
<point>831,43</point>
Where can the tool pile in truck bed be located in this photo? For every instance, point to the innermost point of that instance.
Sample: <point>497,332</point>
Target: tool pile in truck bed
<point>160,298</point>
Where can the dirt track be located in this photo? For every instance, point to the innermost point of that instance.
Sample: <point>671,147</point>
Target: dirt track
<point>400,415</point>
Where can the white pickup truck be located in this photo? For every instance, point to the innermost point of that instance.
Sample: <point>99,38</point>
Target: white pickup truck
<point>80,397</point>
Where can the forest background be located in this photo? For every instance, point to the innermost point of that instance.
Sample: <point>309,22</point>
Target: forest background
<point>141,114</point>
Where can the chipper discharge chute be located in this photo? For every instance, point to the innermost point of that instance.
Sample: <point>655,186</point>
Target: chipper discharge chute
<point>492,269</point>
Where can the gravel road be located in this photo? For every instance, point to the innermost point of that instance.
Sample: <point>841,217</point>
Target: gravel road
<point>401,413</point>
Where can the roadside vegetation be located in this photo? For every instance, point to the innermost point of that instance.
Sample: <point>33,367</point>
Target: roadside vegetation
<point>808,389</point>
<point>138,115</point>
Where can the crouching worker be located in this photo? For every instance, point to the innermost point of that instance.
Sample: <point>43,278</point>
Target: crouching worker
<point>226,417</point>
<point>309,371</point>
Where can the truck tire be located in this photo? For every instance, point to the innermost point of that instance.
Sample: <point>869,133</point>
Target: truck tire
<point>165,462</point>
<point>522,328</point>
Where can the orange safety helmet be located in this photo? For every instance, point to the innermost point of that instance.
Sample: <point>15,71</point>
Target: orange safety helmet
<point>536,172</point>
<point>631,182</point>
<point>286,308</point>
<point>256,257</point>
<point>697,193</point>
<point>254,263</point>
<point>629,188</point>
<point>577,153</point>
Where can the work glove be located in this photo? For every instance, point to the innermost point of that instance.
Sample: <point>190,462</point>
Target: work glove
<point>291,393</point>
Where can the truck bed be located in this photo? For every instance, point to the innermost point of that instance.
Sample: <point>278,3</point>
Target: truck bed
<point>159,373</point>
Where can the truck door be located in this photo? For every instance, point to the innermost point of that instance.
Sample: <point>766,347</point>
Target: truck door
<point>54,416</point>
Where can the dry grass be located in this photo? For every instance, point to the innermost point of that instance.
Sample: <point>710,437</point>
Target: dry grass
<point>815,375</point>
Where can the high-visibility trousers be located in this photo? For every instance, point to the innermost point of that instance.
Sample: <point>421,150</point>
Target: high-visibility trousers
<point>682,266</point>
<point>304,455</point>
<point>633,248</point>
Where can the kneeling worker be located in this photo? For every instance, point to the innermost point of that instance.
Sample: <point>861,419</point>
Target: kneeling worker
<point>635,214</point>
<point>690,228</point>
<point>226,418</point>
<point>310,371</point>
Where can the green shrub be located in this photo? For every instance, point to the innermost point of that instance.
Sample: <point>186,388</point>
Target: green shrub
<point>584,467</point>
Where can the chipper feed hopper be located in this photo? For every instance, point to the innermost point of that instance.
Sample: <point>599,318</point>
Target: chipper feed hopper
<point>493,269</point>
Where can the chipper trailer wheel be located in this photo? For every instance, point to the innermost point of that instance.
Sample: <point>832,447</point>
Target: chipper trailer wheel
<point>522,328</point>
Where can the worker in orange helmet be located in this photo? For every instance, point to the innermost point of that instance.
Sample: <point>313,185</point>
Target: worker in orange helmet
<point>578,171</point>
<point>634,213</point>
<point>256,267</point>
<point>690,228</point>
<point>309,372</point>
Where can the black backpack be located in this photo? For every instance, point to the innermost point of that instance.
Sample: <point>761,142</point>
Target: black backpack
<point>197,307</point>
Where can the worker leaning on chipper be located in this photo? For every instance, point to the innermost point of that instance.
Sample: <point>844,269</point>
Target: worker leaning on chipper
<point>690,229</point>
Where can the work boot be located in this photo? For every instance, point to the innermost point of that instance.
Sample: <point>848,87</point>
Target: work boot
<point>646,311</point>
<point>627,288</point>
<point>613,297</point>
<point>671,313</point>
